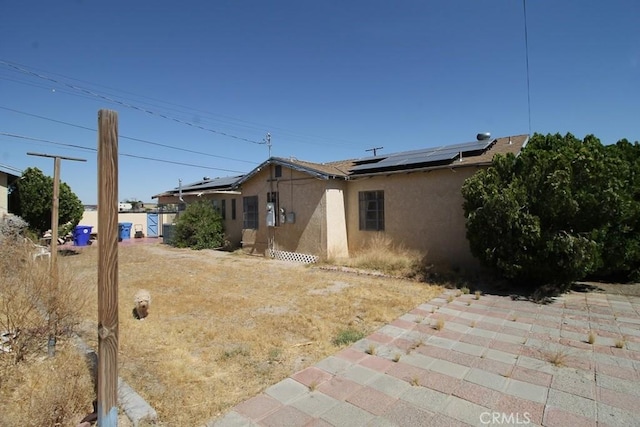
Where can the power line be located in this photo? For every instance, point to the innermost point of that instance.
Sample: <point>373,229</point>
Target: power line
<point>126,104</point>
<point>127,137</point>
<point>80,147</point>
<point>526,48</point>
<point>228,119</point>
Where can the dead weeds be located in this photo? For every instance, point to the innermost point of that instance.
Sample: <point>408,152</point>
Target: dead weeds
<point>216,318</point>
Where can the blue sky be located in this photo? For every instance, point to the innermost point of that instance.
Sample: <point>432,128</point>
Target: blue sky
<point>328,80</point>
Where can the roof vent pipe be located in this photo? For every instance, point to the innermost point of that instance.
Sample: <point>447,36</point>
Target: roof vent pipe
<point>180,190</point>
<point>483,136</point>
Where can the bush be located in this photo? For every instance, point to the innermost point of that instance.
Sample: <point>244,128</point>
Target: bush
<point>12,227</point>
<point>562,210</point>
<point>31,197</point>
<point>199,227</point>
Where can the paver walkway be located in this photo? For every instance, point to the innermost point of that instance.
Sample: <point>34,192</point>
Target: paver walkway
<point>458,360</point>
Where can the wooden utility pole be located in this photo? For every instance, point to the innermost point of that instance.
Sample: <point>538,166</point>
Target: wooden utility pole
<point>53,264</point>
<point>108,268</point>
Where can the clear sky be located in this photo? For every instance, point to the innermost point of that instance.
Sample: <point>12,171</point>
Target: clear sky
<point>327,79</point>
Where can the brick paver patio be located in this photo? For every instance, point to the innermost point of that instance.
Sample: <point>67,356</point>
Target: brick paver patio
<point>462,360</point>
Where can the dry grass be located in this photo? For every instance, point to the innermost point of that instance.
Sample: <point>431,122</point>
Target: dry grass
<point>381,254</point>
<point>557,358</point>
<point>34,389</point>
<point>591,338</point>
<point>222,327</point>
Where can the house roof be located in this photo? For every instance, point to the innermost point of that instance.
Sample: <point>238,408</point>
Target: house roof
<point>467,154</point>
<point>205,186</point>
<point>476,153</point>
<point>10,170</point>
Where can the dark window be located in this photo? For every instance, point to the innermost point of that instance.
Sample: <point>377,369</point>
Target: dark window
<point>233,208</point>
<point>278,171</point>
<point>250,212</point>
<point>371,207</point>
<point>223,209</point>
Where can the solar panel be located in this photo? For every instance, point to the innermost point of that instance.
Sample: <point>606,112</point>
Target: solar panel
<point>212,183</point>
<point>423,156</point>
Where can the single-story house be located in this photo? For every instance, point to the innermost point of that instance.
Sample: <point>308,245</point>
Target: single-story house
<point>8,175</point>
<point>300,210</point>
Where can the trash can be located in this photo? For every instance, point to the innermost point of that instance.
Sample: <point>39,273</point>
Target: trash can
<point>124,230</point>
<point>167,233</point>
<point>81,235</point>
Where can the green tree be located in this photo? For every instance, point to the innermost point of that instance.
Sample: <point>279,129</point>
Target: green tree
<point>32,199</point>
<point>620,238</point>
<point>199,226</point>
<point>563,209</point>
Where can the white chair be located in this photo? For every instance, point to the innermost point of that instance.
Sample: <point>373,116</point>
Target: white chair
<point>41,252</point>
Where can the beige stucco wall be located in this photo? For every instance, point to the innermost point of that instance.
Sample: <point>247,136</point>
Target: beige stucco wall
<point>90,218</point>
<point>304,196</point>
<point>423,211</point>
<point>4,194</point>
<point>336,224</point>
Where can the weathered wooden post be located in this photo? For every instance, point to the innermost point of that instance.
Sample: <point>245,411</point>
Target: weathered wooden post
<point>107,268</point>
<point>53,264</point>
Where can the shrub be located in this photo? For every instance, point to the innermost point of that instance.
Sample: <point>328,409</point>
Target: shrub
<point>554,214</point>
<point>31,196</point>
<point>199,227</point>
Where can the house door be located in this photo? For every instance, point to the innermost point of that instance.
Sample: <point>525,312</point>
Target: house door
<point>152,225</point>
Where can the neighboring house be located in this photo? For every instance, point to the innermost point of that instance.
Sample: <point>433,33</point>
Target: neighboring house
<point>292,209</point>
<point>8,175</point>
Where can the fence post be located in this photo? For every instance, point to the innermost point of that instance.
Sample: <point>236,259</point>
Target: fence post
<point>108,268</point>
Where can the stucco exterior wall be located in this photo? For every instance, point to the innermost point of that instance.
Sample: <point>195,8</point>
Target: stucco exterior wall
<point>336,224</point>
<point>90,218</point>
<point>299,194</point>
<point>423,211</point>
<point>4,194</point>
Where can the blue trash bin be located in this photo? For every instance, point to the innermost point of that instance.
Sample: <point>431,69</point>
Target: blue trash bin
<point>124,229</point>
<point>82,235</point>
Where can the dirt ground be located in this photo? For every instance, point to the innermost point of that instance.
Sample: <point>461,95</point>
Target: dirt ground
<point>224,326</point>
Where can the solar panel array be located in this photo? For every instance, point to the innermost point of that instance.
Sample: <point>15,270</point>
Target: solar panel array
<point>419,157</point>
<point>226,181</point>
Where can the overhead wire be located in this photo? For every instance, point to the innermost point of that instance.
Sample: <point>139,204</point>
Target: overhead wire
<point>228,119</point>
<point>144,141</point>
<point>526,48</point>
<point>126,104</point>
<point>80,147</point>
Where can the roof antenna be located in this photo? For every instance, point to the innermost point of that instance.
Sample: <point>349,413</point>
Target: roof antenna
<point>375,150</point>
